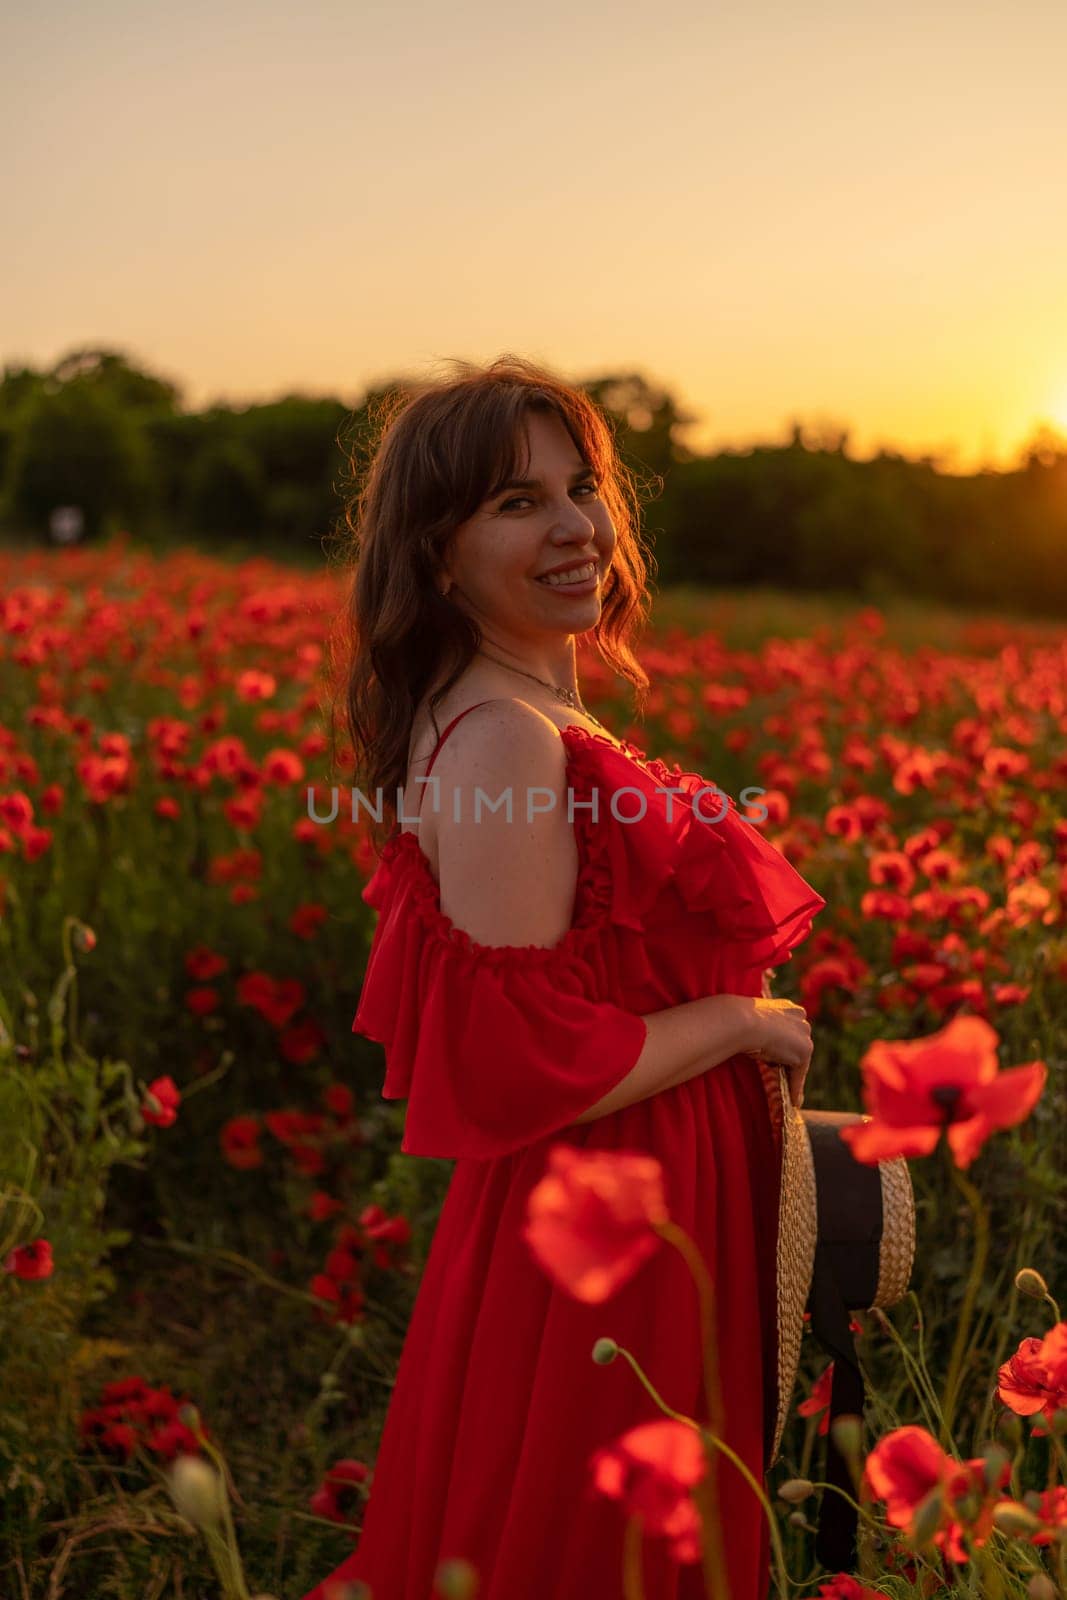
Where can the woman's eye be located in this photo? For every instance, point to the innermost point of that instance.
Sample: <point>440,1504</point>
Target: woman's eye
<point>594,489</point>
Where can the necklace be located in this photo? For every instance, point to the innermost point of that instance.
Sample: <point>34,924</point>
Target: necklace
<point>566,696</point>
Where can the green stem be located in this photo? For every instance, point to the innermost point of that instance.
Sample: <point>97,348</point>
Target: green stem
<point>68,956</point>
<point>240,1588</point>
<point>679,1416</point>
<point>633,1587</point>
<point>709,1498</point>
<point>963,1326</point>
<point>918,1371</point>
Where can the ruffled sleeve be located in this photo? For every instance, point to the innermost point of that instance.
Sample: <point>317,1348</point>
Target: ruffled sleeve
<point>761,905</point>
<point>749,898</point>
<point>493,1047</point>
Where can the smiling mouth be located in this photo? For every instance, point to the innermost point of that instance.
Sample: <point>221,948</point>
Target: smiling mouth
<point>565,580</point>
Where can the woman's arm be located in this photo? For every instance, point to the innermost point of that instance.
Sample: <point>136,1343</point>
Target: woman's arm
<point>682,1042</point>
<point>513,882</point>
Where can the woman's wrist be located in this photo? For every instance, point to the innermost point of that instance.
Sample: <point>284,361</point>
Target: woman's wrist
<point>740,1023</point>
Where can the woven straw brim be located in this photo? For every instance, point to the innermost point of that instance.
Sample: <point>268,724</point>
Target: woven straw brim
<point>798,1235</point>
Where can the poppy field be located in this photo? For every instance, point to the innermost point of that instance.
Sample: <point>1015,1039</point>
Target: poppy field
<point>210,1241</point>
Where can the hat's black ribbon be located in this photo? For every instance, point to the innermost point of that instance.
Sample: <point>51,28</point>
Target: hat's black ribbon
<point>835,1541</point>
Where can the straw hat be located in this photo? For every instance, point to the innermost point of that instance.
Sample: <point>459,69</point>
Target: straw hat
<point>846,1242</point>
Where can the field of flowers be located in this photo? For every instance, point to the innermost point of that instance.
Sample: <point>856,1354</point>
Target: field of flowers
<point>211,1244</point>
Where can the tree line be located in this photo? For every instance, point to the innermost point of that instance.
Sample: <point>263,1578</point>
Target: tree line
<point>98,433</point>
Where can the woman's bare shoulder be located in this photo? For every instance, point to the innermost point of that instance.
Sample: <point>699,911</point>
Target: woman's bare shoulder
<point>501,742</point>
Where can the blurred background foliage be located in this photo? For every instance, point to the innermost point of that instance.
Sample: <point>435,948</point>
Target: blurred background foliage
<point>270,478</point>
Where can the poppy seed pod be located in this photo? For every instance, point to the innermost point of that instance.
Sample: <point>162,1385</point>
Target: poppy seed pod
<point>197,1491</point>
<point>1012,1518</point>
<point>927,1517</point>
<point>456,1580</point>
<point>847,1434</point>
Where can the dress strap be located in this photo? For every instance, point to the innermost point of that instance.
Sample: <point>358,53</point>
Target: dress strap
<point>448,730</point>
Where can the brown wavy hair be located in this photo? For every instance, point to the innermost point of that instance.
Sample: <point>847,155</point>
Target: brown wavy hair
<point>437,451</point>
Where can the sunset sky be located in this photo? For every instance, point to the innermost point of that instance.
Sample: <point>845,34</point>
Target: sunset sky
<point>855,215</point>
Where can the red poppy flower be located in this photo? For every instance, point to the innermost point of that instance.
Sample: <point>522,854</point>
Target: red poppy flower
<point>276,1000</point>
<point>339,1099</point>
<point>302,1042</point>
<point>842,1587</point>
<point>35,841</point>
<point>337,1495</point>
<point>590,1220</point>
<point>127,1390</point>
<point>341,1265</point>
<point>1051,1511</point>
<point>118,1438</point>
<point>244,810</point>
<point>819,1399</point>
<point>291,1126</point>
<point>160,1106</point>
<point>912,1088</point>
<point>31,1261</point>
<point>322,1206</point>
<point>905,1466</point>
<point>282,766</point>
<point>203,963</point>
<point>202,1001</point>
<point>346,1299</point>
<point>253,685</point>
<point>17,811</point>
<point>240,1143</point>
<point>306,920</point>
<point>651,1469</point>
<point>1035,1377</point>
<point>172,1438</point>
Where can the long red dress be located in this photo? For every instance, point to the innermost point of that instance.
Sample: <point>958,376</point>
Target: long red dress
<point>497,1405</point>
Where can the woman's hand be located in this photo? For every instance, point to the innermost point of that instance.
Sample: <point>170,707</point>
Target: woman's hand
<point>782,1037</point>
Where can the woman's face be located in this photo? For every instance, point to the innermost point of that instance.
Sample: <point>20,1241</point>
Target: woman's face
<point>499,557</point>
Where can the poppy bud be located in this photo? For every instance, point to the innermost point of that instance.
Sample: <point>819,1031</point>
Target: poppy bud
<point>968,1506</point>
<point>188,1414</point>
<point>796,1489</point>
<point>1012,1518</point>
<point>197,1491</point>
<point>605,1351</point>
<point>1027,1281</point>
<point>1010,1429</point>
<point>927,1517</point>
<point>456,1580</point>
<point>996,1459</point>
<point>798,1519</point>
<point>1041,1587</point>
<point>847,1433</point>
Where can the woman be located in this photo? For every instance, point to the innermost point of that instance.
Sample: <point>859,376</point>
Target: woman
<point>555,975</point>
